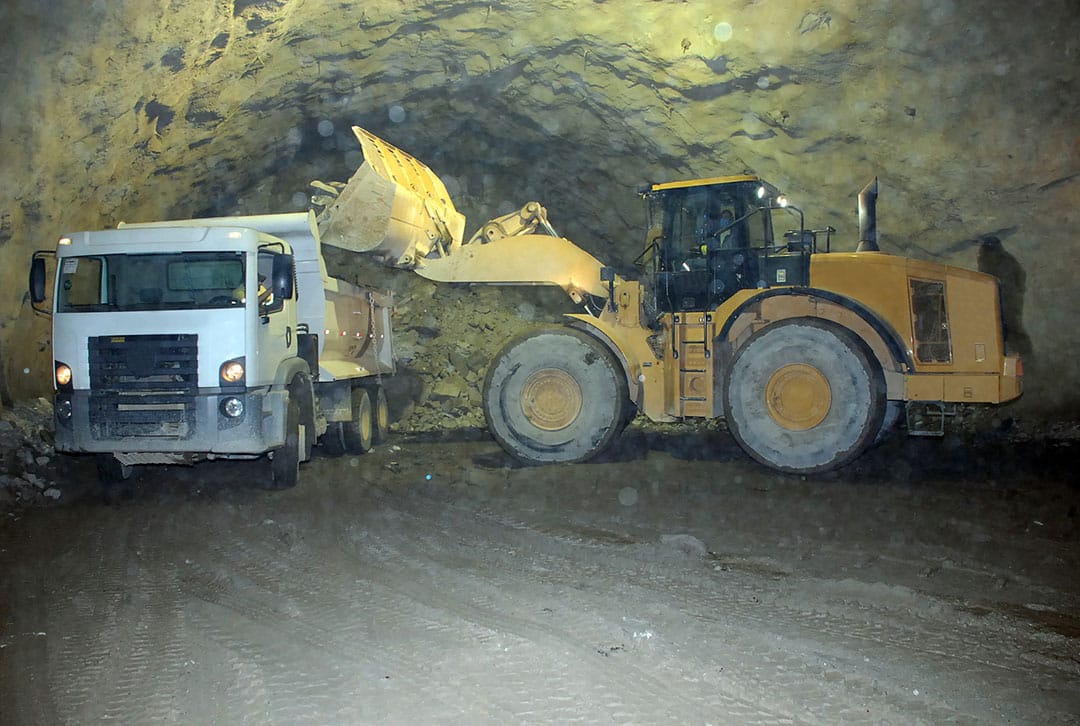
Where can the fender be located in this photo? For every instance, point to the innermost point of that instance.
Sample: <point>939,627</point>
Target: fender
<point>289,369</point>
<point>783,303</point>
<point>291,372</point>
<point>629,358</point>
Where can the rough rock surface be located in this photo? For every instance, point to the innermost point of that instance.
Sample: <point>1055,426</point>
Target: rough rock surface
<point>27,457</point>
<point>142,109</point>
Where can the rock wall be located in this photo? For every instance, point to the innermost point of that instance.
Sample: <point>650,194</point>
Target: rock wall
<point>149,109</point>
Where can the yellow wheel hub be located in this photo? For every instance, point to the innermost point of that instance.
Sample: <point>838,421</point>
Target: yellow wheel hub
<point>798,397</point>
<point>551,399</point>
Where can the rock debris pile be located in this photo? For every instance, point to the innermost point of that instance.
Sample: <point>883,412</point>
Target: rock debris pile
<point>27,456</point>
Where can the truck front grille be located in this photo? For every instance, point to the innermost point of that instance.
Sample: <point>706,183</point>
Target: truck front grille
<point>143,385</point>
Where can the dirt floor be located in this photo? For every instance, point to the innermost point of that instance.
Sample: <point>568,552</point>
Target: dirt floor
<point>674,581</point>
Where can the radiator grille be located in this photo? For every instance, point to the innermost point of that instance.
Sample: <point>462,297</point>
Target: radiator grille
<point>930,322</point>
<point>143,385</point>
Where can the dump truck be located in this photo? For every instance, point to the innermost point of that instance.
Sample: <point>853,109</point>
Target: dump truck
<point>810,355</point>
<point>223,338</point>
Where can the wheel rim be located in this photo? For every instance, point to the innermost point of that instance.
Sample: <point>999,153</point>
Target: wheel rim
<point>551,399</point>
<point>365,423</point>
<point>382,414</point>
<point>798,397</point>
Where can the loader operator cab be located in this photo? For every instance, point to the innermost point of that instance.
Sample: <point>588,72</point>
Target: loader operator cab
<point>710,238</point>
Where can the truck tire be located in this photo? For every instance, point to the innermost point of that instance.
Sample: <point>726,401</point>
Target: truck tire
<point>804,396</point>
<point>285,460</point>
<point>333,441</point>
<point>380,415</point>
<point>555,395</point>
<point>304,394</point>
<point>114,479</point>
<point>357,433</point>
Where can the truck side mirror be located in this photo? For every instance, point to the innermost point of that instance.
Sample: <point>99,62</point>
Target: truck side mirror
<point>282,276</point>
<point>37,280</point>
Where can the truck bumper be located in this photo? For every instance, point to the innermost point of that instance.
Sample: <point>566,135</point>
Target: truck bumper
<point>199,428</point>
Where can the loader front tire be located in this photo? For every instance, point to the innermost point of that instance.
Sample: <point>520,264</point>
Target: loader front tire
<point>555,395</point>
<point>804,396</point>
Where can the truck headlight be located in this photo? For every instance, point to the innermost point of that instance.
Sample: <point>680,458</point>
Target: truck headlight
<point>63,375</point>
<point>232,371</point>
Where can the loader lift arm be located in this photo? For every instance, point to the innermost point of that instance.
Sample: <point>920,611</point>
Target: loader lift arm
<point>395,208</point>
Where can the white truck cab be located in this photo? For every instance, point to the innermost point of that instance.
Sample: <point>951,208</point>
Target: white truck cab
<point>186,340</point>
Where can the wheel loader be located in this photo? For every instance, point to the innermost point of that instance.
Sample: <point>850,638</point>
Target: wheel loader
<point>741,312</point>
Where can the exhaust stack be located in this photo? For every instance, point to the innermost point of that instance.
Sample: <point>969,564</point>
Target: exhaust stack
<point>868,218</point>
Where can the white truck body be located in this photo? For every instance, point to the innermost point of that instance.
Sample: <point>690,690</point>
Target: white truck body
<point>147,317</point>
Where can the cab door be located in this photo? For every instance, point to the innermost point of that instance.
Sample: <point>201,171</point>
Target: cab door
<point>275,325</point>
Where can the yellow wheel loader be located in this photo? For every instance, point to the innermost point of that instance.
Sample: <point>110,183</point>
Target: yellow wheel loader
<point>810,355</point>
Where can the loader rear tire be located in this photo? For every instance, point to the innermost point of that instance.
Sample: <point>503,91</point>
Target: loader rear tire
<point>894,411</point>
<point>804,396</point>
<point>555,395</point>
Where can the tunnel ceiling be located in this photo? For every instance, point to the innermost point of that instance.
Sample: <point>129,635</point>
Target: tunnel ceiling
<point>138,110</point>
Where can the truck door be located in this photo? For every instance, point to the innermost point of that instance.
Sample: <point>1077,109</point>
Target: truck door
<point>276,321</point>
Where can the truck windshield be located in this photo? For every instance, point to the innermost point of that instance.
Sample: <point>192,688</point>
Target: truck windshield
<point>176,281</point>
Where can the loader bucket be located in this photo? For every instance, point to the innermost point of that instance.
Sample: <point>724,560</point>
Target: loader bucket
<point>394,207</point>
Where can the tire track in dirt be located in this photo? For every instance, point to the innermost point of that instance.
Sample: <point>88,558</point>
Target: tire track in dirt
<point>329,628</point>
<point>256,590</point>
<point>486,600</point>
<point>894,635</point>
<point>590,671</point>
<point>112,666</point>
<point>381,602</point>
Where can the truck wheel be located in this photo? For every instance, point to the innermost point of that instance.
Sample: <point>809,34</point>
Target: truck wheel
<point>333,441</point>
<point>555,395</point>
<point>114,478</point>
<point>380,415</point>
<point>358,432</point>
<point>804,396</point>
<point>301,390</point>
<point>285,461</point>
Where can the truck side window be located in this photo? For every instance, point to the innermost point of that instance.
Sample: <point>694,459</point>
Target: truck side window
<point>81,283</point>
<point>268,301</point>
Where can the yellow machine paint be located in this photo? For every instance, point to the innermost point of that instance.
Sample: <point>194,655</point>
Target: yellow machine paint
<point>725,303</point>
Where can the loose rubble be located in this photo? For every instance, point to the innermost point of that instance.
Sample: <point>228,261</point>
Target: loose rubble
<point>27,469</point>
